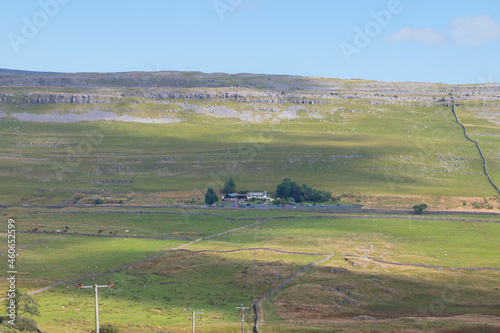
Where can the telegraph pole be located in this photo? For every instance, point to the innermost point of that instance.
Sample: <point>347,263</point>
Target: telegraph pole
<point>96,287</point>
<point>254,261</point>
<point>243,308</point>
<point>194,314</point>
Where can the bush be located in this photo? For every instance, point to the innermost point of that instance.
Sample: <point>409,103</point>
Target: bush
<point>99,201</point>
<point>26,324</point>
<point>7,328</point>
<point>108,328</point>
<point>419,209</point>
<point>79,196</point>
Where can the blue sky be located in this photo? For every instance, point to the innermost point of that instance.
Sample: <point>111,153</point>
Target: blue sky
<point>390,40</point>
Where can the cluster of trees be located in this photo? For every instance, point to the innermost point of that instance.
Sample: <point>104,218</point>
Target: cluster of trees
<point>288,189</point>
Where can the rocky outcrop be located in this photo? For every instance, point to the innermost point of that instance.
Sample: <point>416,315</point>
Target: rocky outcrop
<point>65,98</point>
<point>8,98</point>
<point>169,87</point>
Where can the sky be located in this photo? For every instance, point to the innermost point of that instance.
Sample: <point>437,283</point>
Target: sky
<point>454,42</point>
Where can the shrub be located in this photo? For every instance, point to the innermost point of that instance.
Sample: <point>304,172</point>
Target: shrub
<point>419,209</point>
<point>26,324</point>
<point>108,328</point>
<point>79,196</point>
<point>7,328</point>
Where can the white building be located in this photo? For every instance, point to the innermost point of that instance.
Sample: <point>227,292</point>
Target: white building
<point>257,195</point>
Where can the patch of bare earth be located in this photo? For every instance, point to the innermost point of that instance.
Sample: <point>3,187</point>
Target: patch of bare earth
<point>406,202</point>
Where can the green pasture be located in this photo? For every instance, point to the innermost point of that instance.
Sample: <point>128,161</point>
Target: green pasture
<point>356,147</point>
<point>159,295</point>
<point>72,257</point>
<point>482,124</point>
<point>345,146</point>
<point>437,243</point>
<point>131,224</point>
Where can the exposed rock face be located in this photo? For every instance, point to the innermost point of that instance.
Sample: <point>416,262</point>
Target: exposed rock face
<point>69,99</point>
<point>163,87</point>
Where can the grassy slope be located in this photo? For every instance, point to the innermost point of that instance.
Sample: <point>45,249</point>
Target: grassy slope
<point>355,147</point>
<point>152,294</point>
<point>162,225</point>
<point>483,124</point>
<point>390,149</point>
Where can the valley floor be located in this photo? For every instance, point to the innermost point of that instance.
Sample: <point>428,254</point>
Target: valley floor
<point>369,272</point>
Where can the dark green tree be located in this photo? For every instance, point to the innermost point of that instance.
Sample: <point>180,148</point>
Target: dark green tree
<point>419,209</point>
<point>289,189</point>
<point>229,185</point>
<point>284,189</point>
<point>211,196</point>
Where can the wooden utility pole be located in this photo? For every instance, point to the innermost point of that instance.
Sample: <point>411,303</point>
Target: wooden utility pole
<point>194,314</point>
<point>96,287</point>
<point>243,308</point>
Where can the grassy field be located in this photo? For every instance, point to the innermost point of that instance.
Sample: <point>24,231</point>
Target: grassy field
<point>385,149</point>
<point>133,224</point>
<point>359,141</point>
<point>444,243</point>
<point>483,124</point>
<point>158,296</point>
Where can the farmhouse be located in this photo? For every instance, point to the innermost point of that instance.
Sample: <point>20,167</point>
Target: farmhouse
<point>234,197</point>
<point>257,195</point>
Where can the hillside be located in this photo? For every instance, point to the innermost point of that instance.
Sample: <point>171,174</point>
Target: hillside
<point>150,144</point>
<point>4,71</point>
<point>184,131</point>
